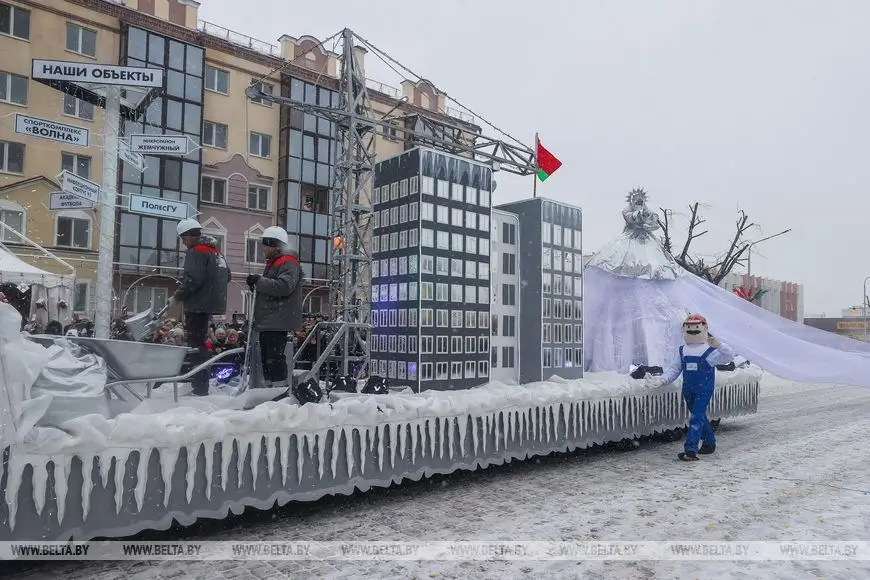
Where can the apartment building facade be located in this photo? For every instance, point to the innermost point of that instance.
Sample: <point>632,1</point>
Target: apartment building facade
<point>430,270</point>
<point>551,294</point>
<point>252,164</point>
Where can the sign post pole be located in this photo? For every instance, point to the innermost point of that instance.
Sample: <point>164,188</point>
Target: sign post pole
<point>103,319</point>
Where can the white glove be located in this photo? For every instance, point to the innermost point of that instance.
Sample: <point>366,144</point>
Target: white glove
<point>653,382</point>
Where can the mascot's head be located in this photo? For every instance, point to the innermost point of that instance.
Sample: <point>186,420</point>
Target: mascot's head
<point>695,329</point>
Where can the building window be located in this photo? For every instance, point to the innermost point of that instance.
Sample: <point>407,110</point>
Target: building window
<point>14,21</point>
<point>217,80</point>
<point>73,232</point>
<point>76,164</point>
<point>81,40</point>
<point>426,372</point>
<point>441,371</point>
<point>260,145</point>
<point>13,88</point>
<point>258,198</point>
<point>441,345</point>
<point>254,250</point>
<point>214,135</point>
<point>80,297</point>
<point>265,88</point>
<point>470,344</point>
<point>546,335</point>
<point>470,369</point>
<point>14,219</point>
<point>426,317</point>
<point>509,264</point>
<point>11,157</point>
<point>482,369</point>
<point>73,107</point>
<point>547,357</point>
<point>442,318</point>
<point>507,357</point>
<point>482,344</point>
<point>213,190</point>
<point>508,295</point>
<point>456,369</point>
<point>509,324</point>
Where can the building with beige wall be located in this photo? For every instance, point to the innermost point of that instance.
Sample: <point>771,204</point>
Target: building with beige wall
<point>259,164</point>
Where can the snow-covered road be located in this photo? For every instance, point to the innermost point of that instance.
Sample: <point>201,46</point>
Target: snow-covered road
<point>794,471</point>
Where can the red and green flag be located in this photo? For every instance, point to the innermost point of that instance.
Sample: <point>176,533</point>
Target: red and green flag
<point>547,162</point>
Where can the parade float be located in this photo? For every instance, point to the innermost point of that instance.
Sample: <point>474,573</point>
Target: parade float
<point>78,465</point>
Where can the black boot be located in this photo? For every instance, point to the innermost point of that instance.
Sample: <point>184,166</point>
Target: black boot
<point>687,456</point>
<point>707,449</point>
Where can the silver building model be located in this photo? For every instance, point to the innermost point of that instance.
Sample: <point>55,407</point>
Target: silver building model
<point>550,293</point>
<point>430,270</point>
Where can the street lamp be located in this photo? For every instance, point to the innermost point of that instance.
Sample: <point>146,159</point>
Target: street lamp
<point>749,249</point>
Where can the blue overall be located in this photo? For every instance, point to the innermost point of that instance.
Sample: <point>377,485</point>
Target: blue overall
<point>699,380</point>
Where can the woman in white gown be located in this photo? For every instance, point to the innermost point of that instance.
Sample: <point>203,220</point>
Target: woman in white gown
<point>636,295</point>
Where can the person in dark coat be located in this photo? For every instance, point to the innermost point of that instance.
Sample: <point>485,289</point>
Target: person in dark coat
<point>203,292</point>
<point>278,305</point>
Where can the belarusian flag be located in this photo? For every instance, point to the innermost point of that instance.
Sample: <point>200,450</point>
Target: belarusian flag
<point>547,162</point>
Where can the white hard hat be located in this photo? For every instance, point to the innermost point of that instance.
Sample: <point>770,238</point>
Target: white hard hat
<point>276,233</point>
<point>186,225</point>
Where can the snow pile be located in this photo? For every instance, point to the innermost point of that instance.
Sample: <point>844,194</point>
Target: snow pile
<point>550,415</point>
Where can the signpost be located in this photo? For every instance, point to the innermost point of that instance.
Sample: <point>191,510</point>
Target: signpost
<point>101,85</point>
<point>51,130</point>
<point>157,206</point>
<point>62,200</point>
<point>132,159</point>
<point>80,187</point>
<point>161,144</point>
<point>95,73</point>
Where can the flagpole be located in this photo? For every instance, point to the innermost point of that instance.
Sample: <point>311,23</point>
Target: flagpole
<point>535,175</point>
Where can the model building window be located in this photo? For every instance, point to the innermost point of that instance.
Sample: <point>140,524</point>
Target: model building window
<point>426,344</point>
<point>394,191</point>
<point>547,283</point>
<point>509,233</point>
<point>412,340</point>
<point>412,264</point>
<point>482,247</point>
<point>441,292</point>
<point>484,198</point>
<point>455,369</point>
<point>412,238</point>
<point>403,317</point>
<point>482,344</point>
<point>456,345</point>
<point>558,358</point>
<point>507,357</point>
<point>426,315</point>
<point>456,319</point>
<point>456,266</point>
<point>413,209</point>
<point>427,238</point>
<point>442,189</point>
<point>455,293</point>
<point>426,372</point>
<point>441,318</point>
<point>457,244</point>
<point>547,357</point>
<point>483,319</point>
<point>441,371</point>
<point>509,294</point>
<point>509,325</point>
<point>557,309</point>
<point>403,188</point>
<point>441,214</point>
<point>509,264</point>
<point>470,319</point>
<point>483,271</point>
<point>470,369</point>
<point>427,265</point>
<point>442,267</point>
<point>403,214</point>
<point>470,294</point>
<point>546,334</point>
<point>470,344</point>
<point>482,369</point>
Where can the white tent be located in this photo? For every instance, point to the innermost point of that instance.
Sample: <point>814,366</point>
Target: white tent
<point>14,270</point>
<point>52,289</point>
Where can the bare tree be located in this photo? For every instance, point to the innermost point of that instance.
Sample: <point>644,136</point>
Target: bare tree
<point>722,265</point>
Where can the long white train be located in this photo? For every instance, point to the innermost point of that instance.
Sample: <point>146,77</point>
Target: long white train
<point>116,477</point>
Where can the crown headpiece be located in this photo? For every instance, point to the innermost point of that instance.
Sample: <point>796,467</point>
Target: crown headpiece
<point>635,193</point>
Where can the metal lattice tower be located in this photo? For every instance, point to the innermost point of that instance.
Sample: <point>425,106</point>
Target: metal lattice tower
<point>350,269</point>
<point>352,212</point>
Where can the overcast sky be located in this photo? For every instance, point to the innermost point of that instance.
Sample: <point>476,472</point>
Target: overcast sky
<point>738,104</point>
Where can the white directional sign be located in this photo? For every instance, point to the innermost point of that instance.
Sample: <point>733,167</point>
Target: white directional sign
<point>51,130</point>
<point>133,159</point>
<point>62,200</point>
<point>80,187</point>
<point>158,206</point>
<point>160,144</point>
<point>93,73</point>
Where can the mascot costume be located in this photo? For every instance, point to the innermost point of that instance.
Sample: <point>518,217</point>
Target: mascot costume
<point>697,362</point>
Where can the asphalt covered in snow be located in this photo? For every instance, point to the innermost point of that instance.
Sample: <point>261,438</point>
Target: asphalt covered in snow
<point>798,470</point>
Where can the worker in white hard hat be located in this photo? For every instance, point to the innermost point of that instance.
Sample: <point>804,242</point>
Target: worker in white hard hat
<point>278,305</point>
<point>203,292</point>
